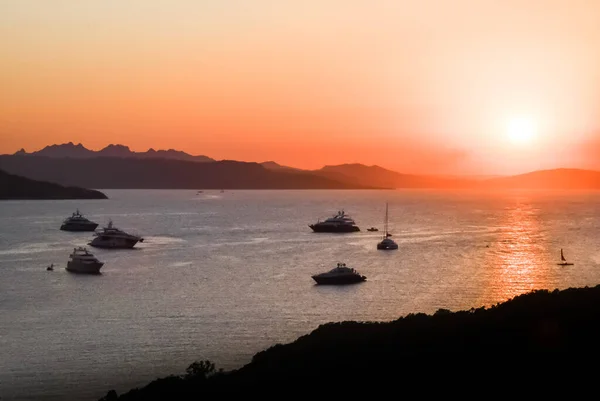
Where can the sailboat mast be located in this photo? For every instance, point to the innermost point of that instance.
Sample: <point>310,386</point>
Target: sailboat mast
<point>386,220</point>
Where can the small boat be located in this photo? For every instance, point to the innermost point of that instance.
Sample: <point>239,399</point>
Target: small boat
<point>563,261</point>
<point>387,243</point>
<point>339,275</point>
<point>340,223</point>
<point>50,268</point>
<point>82,261</point>
<point>77,222</point>
<point>372,229</point>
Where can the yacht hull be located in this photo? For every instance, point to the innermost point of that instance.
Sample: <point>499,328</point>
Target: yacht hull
<point>79,227</point>
<point>84,268</point>
<point>333,229</point>
<point>338,280</point>
<point>386,247</point>
<point>114,243</point>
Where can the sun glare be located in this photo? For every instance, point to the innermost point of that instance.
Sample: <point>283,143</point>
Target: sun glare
<point>520,130</point>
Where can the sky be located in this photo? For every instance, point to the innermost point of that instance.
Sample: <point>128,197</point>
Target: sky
<point>434,86</point>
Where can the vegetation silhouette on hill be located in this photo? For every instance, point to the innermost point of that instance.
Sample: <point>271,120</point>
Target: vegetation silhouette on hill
<point>503,346</point>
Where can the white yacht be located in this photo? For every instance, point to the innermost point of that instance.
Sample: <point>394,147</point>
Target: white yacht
<point>82,261</point>
<point>387,243</point>
<point>112,237</point>
<point>341,274</point>
<point>340,223</point>
<point>77,222</point>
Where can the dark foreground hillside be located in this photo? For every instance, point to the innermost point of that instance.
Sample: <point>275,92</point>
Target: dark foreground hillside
<point>541,341</point>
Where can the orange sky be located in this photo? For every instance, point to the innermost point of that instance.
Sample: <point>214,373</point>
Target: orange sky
<point>428,86</point>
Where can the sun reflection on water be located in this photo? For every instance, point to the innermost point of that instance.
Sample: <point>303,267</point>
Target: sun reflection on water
<point>518,263</point>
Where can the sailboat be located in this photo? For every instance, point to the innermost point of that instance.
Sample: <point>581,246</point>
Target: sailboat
<point>563,261</point>
<point>387,243</point>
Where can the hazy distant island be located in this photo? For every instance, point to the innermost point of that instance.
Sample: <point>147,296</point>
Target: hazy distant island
<point>13,187</point>
<point>117,167</point>
<point>530,334</point>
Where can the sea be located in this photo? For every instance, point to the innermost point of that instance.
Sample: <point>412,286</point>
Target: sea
<point>224,275</point>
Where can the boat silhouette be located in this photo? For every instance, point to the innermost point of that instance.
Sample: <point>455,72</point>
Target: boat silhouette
<point>563,261</point>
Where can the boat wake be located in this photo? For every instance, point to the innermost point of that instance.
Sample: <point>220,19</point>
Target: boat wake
<point>180,264</point>
<point>162,240</point>
<point>32,248</point>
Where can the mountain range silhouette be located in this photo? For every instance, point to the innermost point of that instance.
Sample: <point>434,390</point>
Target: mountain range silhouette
<point>118,167</point>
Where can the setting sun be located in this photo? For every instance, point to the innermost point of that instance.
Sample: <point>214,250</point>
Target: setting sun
<point>521,130</point>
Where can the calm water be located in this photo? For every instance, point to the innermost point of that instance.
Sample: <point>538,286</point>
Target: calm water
<point>221,276</point>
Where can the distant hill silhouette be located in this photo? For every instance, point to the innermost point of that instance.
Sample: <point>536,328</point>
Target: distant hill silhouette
<point>382,177</point>
<point>21,188</point>
<point>271,165</point>
<point>229,174</point>
<point>131,173</point>
<point>559,179</point>
<point>562,178</point>
<point>79,151</point>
